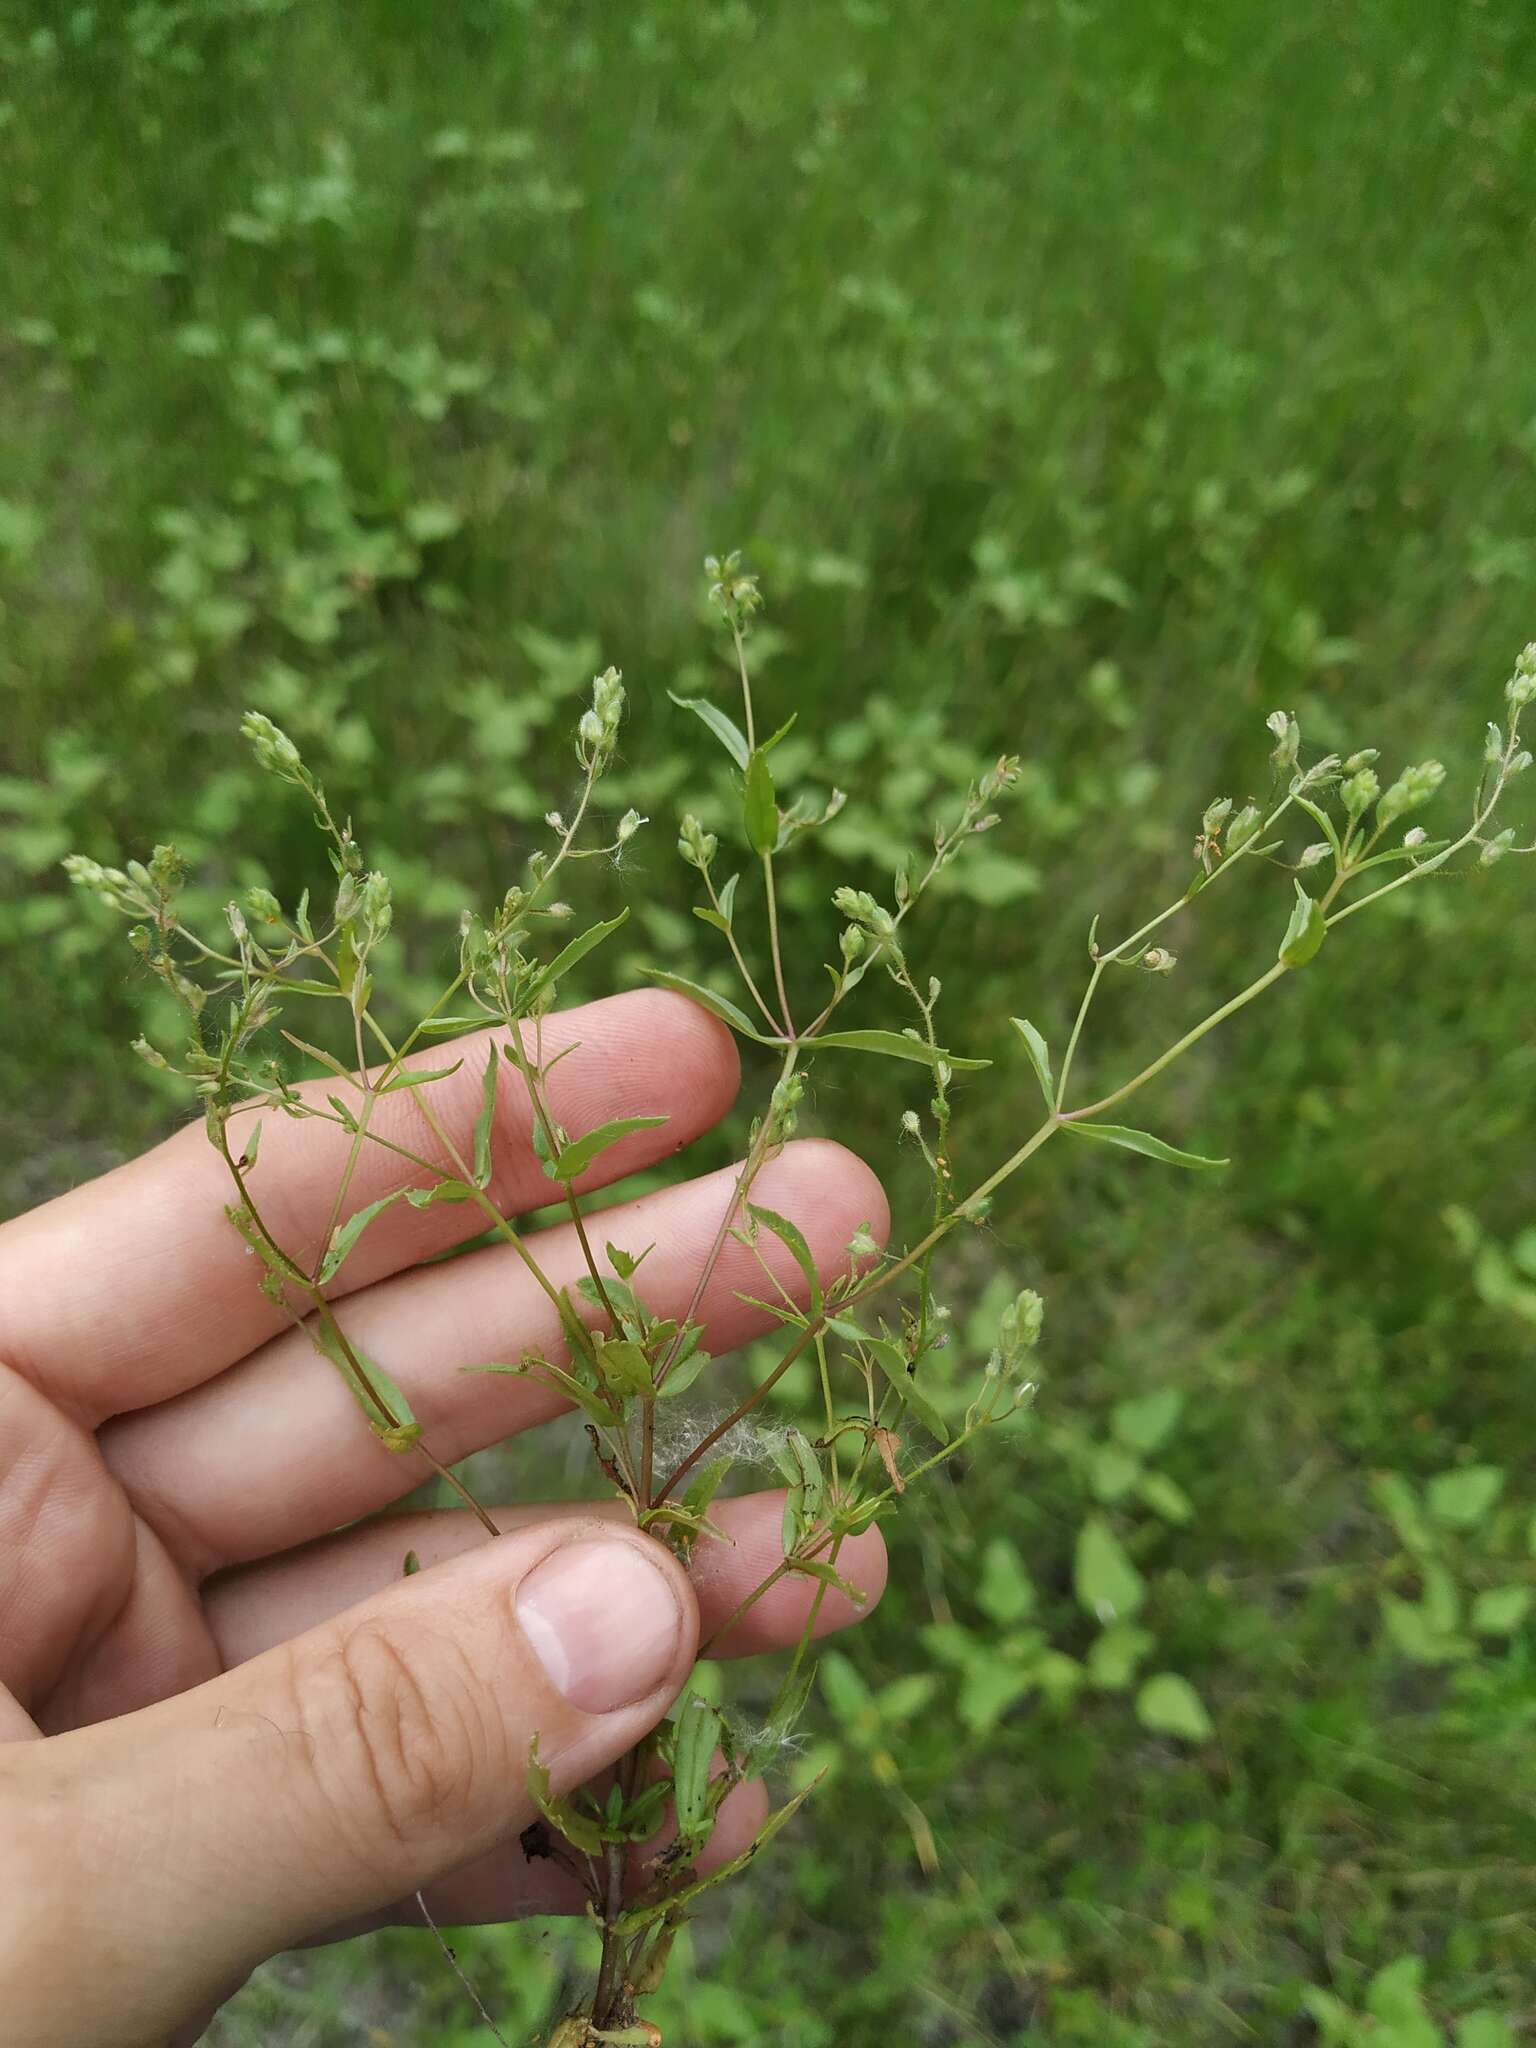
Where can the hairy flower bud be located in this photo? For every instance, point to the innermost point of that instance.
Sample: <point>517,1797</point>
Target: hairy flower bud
<point>1414,787</point>
<point>1360,791</point>
<point>1287,737</point>
<point>695,844</point>
<point>1243,828</point>
<point>263,906</point>
<point>629,825</point>
<point>272,746</point>
<point>1497,847</point>
<point>1362,759</point>
<point>1311,855</point>
<point>1158,960</point>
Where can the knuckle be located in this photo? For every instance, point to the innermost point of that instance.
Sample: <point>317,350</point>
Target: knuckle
<point>415,1738</point>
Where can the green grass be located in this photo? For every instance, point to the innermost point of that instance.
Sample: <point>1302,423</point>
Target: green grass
<point>1085,380</point>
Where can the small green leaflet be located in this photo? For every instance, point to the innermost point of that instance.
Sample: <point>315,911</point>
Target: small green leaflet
<point>642,1916</point>
<point>1140,1141</point>
<point>896,1045</point>
<point>564,961</point>
<point>1039,1057</point>
<point>331,1065</point>
<point>579,1829</point>
<point>559,1381</point>
<point>1305,932</point>
<point>486,1118</point>
<point>695,1736</point>
<point>624,1366</point>
<point>723,728</point>
<point>573,1160</point>
<point>403,1431</point>
<point>1169,1705</point>
<point>684,1371</point>
<point>760,810</point>
<point>829,1575</point>
<point>440,1191</point>
<point>892,1362</point>
<point>418,1077</point>
<point>718,1006</point>
<point>791,1235</point>
<point>346,1235</point>
<point>706,1485</point>
<point>1107,1584</point>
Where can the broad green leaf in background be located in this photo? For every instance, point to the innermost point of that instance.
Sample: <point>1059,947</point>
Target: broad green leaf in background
<point>1169,1705</point>
<point>1104,1578</point>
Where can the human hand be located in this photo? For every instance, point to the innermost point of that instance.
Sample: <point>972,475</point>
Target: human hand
<point>229,1729</point>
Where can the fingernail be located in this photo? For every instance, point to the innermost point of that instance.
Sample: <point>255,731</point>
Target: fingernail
<point>603,1622</point>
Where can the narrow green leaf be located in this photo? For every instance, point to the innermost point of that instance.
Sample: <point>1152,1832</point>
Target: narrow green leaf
<point>411,1566</point>
<point>1141,1141</point>
<point>897,1046</point>
<point>566,959</point>
<point>486,1118</point>
<point>703,912</point>
<point>642,1916</point>
<point>818,1568</point>
<point>695,1737</point>
<point>345,1235</point>
<point>790,1234</point>
<point>252,1150</point>
<point>759,808</point>
<point>1039,1057</point>
<point>706,1484</point>
<point>418,1077</point>
<point>441,1191</point>
<point>332,1066</point>
<point>396,1435</point>
<point>892,1362</point>
<point>723,728</point>
<point>718,1006</point>
<point>555,1377</point>
<point>579,1829</point>
<point>574,1159</point>
<point>1305,932</point>
<point>728,898</point>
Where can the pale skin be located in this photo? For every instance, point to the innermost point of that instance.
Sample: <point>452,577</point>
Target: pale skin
<point>230,1724</point>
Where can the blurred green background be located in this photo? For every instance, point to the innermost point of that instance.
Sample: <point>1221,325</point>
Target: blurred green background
<point>1085,378</point>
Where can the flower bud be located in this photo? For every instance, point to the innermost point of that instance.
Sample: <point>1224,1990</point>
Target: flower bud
<point>1244,827</point>
<point>1158,960</point>
<point>1216,815</point>
<point>1496,848</point>
<point>1362,759</point>
<point>273,748</point>
<point>1521,762</point>
<point>1415,786</point>
<point>852,943</point>
<point>1360,791</point>
<point>1415,836</point>
<point>1311,855</point>
<point>912,1123</point>
<point>263,906</point>
<point>1287,737</point>
<point>629,825</point>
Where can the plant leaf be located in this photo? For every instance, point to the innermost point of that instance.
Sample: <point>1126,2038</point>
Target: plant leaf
<point>418,1077</point>
<point>642,1916</point>
<point>1141,1141</point>
<point>1305,932</point>
<point>724,729</point>
<point>398,1435</point>
<point>567,958</point>
<point>1169,1705</point>
<point>695,1736</point>
<point>759,807</point>
<point>345,1235</point>
<point>1039,1057</point>
<point>441,1191</point>
<point>718,1006</point>
<point>897,1046</point>
<point>818,1568</point>
<point>793,1236</point>
<point>574,1159</point>
<point>1107,1584</point>
<point>486,1118</point>
<point>893,1363</point>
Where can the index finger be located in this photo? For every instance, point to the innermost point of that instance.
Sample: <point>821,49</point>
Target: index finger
<point>135,1287</point>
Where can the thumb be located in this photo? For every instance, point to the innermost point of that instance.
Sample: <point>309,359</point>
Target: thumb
<point>329,1776</point>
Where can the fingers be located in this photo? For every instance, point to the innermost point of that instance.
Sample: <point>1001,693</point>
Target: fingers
<point>248,1611</point>
<point>132,1288</point>
<point>276,1451</point>
<point>364,1760</point>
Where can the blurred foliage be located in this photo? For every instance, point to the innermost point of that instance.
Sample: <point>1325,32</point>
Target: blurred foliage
<point>1085,378</point>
